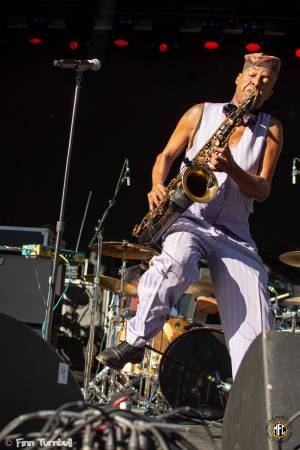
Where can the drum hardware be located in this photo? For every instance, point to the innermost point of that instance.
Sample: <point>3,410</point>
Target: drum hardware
<point>291,258</point>
<point>273,301</point>
<point>286,313</point>
<point>224,387</point>
<point>106,384</point>
<point>127,250</point>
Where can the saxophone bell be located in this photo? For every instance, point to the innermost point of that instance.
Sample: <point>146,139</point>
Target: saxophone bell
<point>200,183</point>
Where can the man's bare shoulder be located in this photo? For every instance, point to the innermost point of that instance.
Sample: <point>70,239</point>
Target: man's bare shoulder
<point>194,113</point>
<point>274,122</point>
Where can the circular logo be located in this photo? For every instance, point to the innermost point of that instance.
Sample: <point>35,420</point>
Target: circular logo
<point>278,429</point>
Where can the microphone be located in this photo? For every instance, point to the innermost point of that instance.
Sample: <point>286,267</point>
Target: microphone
<point>78,64</point>
<point>294,172</point>
<point>127,173</point>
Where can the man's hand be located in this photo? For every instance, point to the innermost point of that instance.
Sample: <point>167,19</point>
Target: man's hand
<point>156,194</point>
<point>221,160</point>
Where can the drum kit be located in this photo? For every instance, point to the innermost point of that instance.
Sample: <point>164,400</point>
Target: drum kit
<point>286,309</point>
<point>172,373</point>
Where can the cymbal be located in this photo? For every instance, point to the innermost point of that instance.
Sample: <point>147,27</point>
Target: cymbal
<point>291,301</point>
<point>200,287</point>
<point>114,285</point>
<point>291,258</point>
<point>126,250</point>
<point>207,305</point>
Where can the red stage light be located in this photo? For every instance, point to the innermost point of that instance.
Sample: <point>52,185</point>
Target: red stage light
<point>253,47</point>
<point>35,41</point>
<point>163,47</point>
<point>211,45</point>
<point>74,45</point>
<point>297,52</point>
<point>121,42</point>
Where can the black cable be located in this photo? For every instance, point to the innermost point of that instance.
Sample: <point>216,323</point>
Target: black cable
<point>182,440</point>
<point>294,416</point>
<point>21,419</point>
<point>78,403</point>
<point>133,443</point>
<point>185,411</point>
<point>111,438</point>
<point>79,427</point>
<point>159,436</point>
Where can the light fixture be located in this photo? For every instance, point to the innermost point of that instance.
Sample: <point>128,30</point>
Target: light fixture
<point>211,32</point>
<point>253,37</point>
<point>37,27</point>
<point>122,30</point>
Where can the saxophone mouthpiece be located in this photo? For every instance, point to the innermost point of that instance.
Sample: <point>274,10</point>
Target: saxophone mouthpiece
<point>254,96</point>
<point>250,102</point>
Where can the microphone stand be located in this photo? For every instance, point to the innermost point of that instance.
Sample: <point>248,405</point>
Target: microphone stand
<point>98,235</point>
<point>60,224</point>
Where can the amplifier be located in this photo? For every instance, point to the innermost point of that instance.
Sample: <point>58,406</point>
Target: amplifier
<point>18,236</point>
<point>34,250</point>
<point>24,285</point>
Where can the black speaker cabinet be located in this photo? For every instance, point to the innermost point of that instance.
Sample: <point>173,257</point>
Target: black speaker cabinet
<point>24,285</point>
<point>32,377</point>
<point>265,396</point>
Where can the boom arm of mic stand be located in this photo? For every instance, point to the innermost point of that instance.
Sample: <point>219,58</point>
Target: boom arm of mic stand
<point>110,204</point>
<point>97,292</point>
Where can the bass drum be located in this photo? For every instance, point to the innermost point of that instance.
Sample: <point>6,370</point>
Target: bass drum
<point>191,368</point>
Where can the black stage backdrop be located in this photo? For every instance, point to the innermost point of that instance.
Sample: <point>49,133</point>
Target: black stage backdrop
<point>127,109</point>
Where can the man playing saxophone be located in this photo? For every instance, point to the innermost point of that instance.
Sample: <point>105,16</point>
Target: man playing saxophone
<point>217,231</point>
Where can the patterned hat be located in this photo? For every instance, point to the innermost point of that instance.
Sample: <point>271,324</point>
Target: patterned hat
<point>259,59</point>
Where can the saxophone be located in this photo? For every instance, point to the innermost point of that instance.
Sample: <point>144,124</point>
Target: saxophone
<point>194,183</point>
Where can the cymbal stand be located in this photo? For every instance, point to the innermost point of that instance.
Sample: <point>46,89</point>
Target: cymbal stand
<point>294,315</point>
<point>97,295</point>
<point>122,273</point>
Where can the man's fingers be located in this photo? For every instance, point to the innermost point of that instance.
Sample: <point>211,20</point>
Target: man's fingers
<point>161,189</point>
<point>157,193</point>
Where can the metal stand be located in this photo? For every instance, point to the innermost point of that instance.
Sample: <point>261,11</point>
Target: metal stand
<point>99,237</point>
<point>60,224</point>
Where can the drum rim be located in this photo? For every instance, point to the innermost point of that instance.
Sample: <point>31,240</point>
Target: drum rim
<point>211,327</point>
<point>181,317</point>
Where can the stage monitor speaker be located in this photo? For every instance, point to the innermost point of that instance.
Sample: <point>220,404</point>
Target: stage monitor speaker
<point>265,396</point>
<point>33,377</point>
<point>24,285</point>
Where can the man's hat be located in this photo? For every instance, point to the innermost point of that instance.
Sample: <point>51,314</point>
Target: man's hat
<point>261,60</point>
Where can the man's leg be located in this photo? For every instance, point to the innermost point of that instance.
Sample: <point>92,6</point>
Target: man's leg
<point>240,281</point>
<point>159,289</point>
